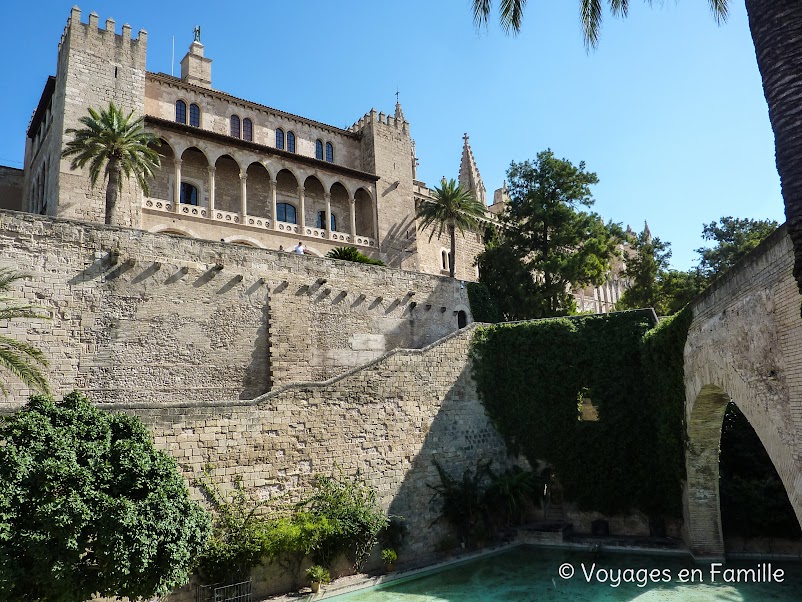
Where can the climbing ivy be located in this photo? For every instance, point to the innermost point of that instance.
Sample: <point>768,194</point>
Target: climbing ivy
<point>532,376</point>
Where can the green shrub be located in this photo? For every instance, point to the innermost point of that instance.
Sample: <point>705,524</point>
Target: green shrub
<point>319,574</point>
<point>353,513</point>
<point>463,502</point>
<point>352,254</point>
<point>290,539</point>
<point>483,306</point>
<point>389,556</point>
<point>236,545</point>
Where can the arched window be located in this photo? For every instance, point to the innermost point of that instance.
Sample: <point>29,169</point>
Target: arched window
<point>247,130</point>
<point>194,115</point>
<point>235,126</point>
<point>329,152</point>
<point>444,257</point>
<point>280,139</point>
<point>180,111</point>
<point>321,221</point>
<point>285,213</point>
<point>462,319</point>
<point>319,149</point>
<point>189,194</point>
<point>291,142</point>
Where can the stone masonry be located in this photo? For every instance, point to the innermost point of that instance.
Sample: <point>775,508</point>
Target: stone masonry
<point>151,317</point>
<point>744,344</point>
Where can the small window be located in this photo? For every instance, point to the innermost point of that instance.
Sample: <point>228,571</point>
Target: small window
<point>189,194</point>
<point>285,213</point>
<point>321,220</point>
<point>180,111</point>
<point>235,131</point>
<point>291,142</point>
<point>319,149</point>
<point>247,130</point>
<point>280,140</point>
<point>444,257</point>
<point>329,152</point>
<point>194,115</point>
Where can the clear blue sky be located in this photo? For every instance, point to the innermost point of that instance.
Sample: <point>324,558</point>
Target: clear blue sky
<point>669,111</point>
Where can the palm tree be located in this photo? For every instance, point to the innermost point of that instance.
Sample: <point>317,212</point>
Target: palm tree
<point>118,142</point>
<point>16,357</point>
<point>453,208</point>
<point>776,27</point>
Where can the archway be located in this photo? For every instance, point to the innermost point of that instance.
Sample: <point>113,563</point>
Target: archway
<point>702,506</point>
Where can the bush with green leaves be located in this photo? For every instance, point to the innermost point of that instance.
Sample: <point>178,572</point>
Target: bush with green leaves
<point>236,544</point>
<point>88,505</point>
<point>288,540</point>
<point>463,503</point>
<point>354,514</point>
<point>318,574</point>
<point>352,254</point>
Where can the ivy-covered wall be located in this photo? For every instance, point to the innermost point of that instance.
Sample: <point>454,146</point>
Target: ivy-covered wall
<point>533,377</point>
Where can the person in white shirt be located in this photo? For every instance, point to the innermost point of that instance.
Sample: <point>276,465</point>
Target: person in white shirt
<point>299,248</point>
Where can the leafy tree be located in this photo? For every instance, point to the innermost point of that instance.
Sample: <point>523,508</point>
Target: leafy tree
<point>643,270</point>
<point>733,238</point>
<point>453,208</point>
<point>87,505</point>
<point>548,245</point>
<point>16,357</point>
<point>118,142</point>
<point>776,27</point>
<point>678,288</point>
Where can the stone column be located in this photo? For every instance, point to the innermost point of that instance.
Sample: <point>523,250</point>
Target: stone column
<point>374,216</point>
<point>327,225</point>
<point>302,209</point>
<point>177,187</point>
<point>211,191</point>
<point>243,192</point>
<point>352,216</point>
<point>273,185</point>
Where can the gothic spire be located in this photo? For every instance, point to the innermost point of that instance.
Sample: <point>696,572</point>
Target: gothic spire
<point>469,177</point>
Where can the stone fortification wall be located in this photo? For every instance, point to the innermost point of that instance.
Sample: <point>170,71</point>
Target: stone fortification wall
<point>139,317</point>
<point>387,421</point>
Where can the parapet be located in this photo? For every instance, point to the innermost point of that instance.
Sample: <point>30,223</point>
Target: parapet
<point>380,118</point>
<point>92,28</point>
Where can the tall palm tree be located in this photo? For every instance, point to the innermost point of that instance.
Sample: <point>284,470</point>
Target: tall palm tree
<point>776,27</point>
<point>452,209</point>
<point>20,359</point>
<point>118,142</point>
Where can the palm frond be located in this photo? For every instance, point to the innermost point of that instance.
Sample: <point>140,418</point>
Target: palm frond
<point>720,9</point>
<point>20,359</point>
<point>481,12</point>
<point>591,13</point>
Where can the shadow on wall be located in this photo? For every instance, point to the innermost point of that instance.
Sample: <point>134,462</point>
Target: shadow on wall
<point>458,435</point>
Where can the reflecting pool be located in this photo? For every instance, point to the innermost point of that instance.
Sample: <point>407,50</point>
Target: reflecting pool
<point>543,575</point>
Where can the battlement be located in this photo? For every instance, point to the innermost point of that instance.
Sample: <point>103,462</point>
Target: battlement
<point>380,118</point>
<point>93,29</point>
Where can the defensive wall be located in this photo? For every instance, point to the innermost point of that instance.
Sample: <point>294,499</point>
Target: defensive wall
<point>138,317</point>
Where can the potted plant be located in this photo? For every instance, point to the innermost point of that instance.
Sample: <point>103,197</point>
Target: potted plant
<point>389,556</point>
<point>317,576</point>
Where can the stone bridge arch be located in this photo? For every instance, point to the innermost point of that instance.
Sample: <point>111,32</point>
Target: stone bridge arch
<point>745,345</point>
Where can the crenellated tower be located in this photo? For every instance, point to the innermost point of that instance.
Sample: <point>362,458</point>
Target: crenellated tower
<point>95,66</point>
<point>386,152</point>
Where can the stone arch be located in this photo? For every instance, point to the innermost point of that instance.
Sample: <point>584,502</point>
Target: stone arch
<point>341,207</point>
<point>174,230</point>
<point>160,186</point>
<point>363,208</point>
<point>705,407</point>
<point>227,184</point>
<point>258,191</point>
<point>195,171</point>
<point>314,201</point>
<point>247,241</point>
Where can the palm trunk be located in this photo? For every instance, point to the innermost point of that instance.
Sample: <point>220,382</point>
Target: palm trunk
<point>452,258</point>
<point>776,27</point>
<point>112,190</point>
